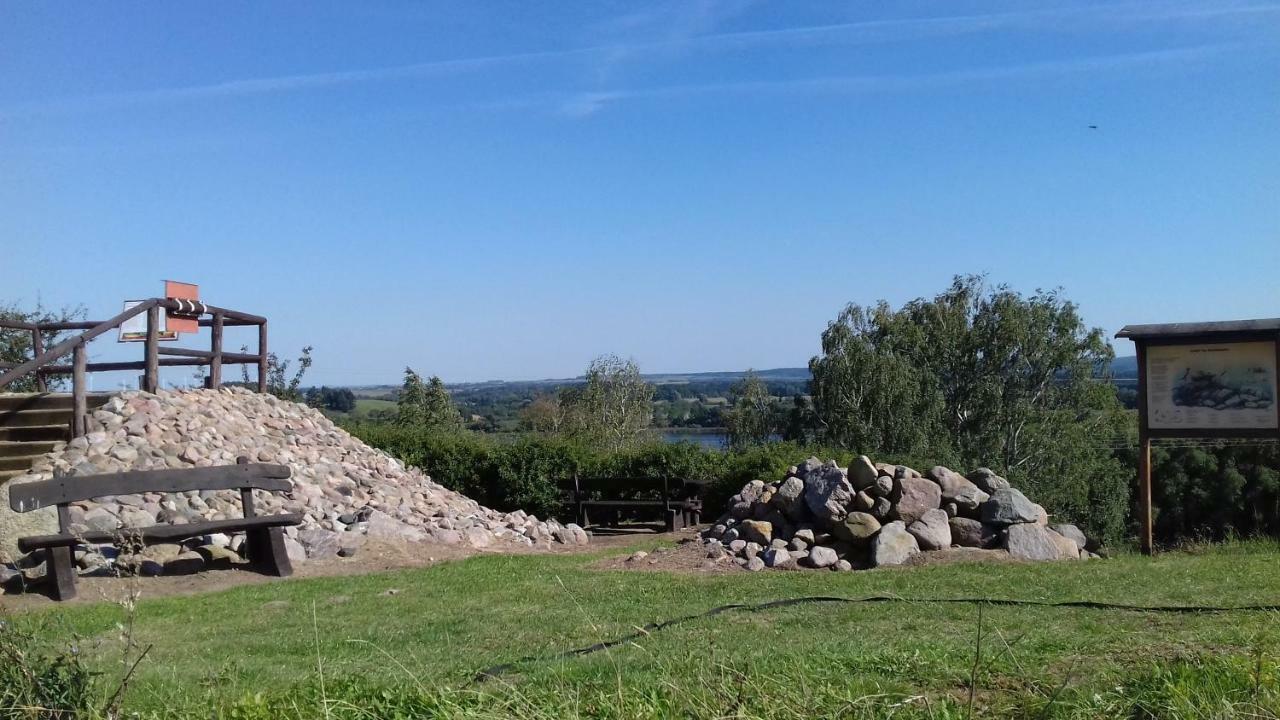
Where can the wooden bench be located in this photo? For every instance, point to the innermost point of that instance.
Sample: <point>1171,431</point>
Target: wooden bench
<point>680,508</point>
<point>264,534</point>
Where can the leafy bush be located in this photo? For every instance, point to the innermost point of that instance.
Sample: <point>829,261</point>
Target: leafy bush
<point>39,682</point>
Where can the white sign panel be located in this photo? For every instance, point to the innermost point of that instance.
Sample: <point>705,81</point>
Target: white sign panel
<point>1211,386</point>
<point>135,328</point>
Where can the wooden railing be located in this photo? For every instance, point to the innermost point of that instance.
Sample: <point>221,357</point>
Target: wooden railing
<point>42,364</point>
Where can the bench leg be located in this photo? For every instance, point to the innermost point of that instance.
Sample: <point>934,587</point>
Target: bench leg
<point>672,520</point>
<point>266,552</point>
<point>60,573</point>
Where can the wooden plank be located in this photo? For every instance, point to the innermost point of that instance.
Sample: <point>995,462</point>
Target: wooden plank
<point>151,374</point>
<point>37,347</point>
<point>65,346</point>
<point>157,533</point>
<point>1144,453</point>
<point>26,497</point>
<point>215,348</point>
<point>79,383</point>
<point>262,357</point>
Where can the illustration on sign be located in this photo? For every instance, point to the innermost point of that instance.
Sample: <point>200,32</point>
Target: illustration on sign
<point>1221,385</point>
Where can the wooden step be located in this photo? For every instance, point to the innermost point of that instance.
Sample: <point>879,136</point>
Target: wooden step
<point>21,449</point>
<point>10,402</point>
<point>35,433</point>
<point>19,462</point>
<point>7,475</point>
<point>28,418</point>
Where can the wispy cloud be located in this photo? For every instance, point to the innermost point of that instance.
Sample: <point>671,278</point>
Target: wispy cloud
<point>588,103</point>
<point>687,36</point>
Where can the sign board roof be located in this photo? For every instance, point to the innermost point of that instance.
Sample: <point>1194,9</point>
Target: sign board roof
<point>1175,330</point>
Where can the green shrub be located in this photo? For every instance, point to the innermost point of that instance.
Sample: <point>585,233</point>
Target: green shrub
<point>39,682</point>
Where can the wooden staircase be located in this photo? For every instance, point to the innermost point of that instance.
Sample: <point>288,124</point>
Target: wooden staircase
<point>32,423</point>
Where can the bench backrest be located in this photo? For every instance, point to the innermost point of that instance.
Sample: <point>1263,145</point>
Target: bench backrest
<point>243,476</point>
<point>671,488</point>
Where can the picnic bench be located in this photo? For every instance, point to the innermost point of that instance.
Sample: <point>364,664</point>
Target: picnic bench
<point>264,534</point>
<point>680,508</point>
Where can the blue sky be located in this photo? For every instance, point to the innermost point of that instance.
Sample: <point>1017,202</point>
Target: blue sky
<point>507,189</point>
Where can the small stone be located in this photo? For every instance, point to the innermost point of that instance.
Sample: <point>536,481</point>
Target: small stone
<point>638,556</point>
<point>755,564</point>
<point>821,556</point>
<point>843,565</point>
<point>775,557</point>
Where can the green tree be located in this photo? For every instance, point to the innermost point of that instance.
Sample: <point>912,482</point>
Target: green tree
<point>278,381</point>
<point>16,344</point>
<point>981,376</point>
<point>426,404</point>
<point>613,408</point>
<point>753,419</point>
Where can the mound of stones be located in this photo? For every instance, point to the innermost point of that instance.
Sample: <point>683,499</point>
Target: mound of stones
<point>874,514</point>
<point>346,490</point>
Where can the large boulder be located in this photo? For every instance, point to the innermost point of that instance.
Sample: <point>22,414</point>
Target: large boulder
<point>916,496</point>
<point>862,473</point>
<point>931,531</point>
<point>1067,548</point>
<point>893,545</point>
<point>1071,532</point>
<point>827,493</point>
<point>1008,507</point>
<point>14,525</point>
<point>987,480</point>
<point>967,532</point>
<point>756,531</point>
<point>857,528</point>
<point>957,489</point>
<point>1028,541</point>
<point>788,499</point>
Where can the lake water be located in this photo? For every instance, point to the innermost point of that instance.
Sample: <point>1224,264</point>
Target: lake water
<point>712,438</point>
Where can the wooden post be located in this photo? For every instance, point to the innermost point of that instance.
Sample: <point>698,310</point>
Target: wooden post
<point>37,347</point>
<point>262,357</point>
<point>151,376</point>
<point>78,418</point>
<point>1144,455</point>
<point>215,365</point>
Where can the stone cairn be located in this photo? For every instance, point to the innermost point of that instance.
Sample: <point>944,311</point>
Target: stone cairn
<point>346,490</point>
<point>873,514</point>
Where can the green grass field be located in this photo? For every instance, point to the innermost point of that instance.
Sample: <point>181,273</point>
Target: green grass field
<point>345,648</point>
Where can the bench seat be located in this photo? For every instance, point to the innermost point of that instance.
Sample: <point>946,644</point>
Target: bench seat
<point>158,533</point>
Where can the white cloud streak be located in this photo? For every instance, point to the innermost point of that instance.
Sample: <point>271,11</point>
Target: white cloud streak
<point>842,33</point>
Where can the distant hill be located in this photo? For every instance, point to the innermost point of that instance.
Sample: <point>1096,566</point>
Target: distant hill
<point>772,375</point>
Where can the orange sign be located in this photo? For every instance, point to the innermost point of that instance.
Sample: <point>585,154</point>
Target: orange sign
<point>183,323</point>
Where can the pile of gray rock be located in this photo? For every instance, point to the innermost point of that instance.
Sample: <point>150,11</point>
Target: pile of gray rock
<point>873,514</point>
<point>346,490</point>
